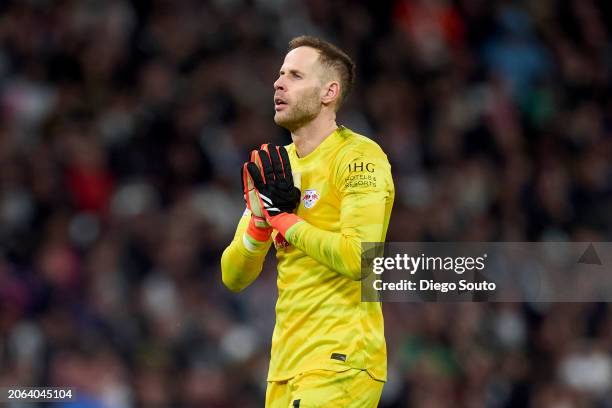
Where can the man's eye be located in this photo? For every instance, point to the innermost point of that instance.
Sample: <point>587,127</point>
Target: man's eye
<point>298,76</point>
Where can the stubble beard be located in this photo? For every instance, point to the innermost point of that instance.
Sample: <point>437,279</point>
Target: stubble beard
<point>306,109</point>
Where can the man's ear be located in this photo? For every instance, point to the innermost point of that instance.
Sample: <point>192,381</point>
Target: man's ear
<point>330,92</point>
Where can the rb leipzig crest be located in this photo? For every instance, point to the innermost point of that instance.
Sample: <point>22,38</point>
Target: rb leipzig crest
<point>310,198</point>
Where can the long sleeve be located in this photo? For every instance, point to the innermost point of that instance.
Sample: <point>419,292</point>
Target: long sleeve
<point>365,187</point>
<point>239,265</point>
<point>361,221</point>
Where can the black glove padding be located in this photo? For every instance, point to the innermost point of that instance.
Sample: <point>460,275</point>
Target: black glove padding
<point>275,188</point>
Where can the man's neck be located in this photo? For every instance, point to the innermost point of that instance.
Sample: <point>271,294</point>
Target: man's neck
<point>311,135</point>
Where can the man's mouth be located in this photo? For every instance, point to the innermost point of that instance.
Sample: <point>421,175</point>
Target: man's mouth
<point>279,104</point>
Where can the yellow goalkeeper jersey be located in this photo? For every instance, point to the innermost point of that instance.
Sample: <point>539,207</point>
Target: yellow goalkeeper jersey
<point>321,323</point>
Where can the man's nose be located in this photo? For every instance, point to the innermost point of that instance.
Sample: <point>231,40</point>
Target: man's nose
<point>279,85</point>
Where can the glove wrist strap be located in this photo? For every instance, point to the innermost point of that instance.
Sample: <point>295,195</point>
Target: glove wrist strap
<point>256,233</point>
<point>283,221</point>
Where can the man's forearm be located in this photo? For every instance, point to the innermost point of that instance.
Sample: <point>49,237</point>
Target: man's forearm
<point>240,265</point>
<point>340,251</point>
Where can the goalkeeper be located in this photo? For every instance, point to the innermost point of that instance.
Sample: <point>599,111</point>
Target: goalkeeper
<point>316,200</point>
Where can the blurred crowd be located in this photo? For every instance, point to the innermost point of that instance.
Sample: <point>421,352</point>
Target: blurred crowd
<point>123,125</point>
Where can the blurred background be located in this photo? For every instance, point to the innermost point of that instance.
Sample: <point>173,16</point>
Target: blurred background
<point>123,125</point>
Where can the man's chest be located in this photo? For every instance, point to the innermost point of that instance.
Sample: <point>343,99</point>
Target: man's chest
<point>319,201</point>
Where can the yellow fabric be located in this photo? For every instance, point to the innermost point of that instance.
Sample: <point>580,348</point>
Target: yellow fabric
<point>347,195</point>
<point>240,266</point>
<point>324,388</point>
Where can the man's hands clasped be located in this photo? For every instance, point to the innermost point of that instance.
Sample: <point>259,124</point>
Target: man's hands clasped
<point>269,191</point>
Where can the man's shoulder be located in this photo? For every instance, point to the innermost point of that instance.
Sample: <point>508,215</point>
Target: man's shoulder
<point>356,145</point>
<point>361,165</point>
